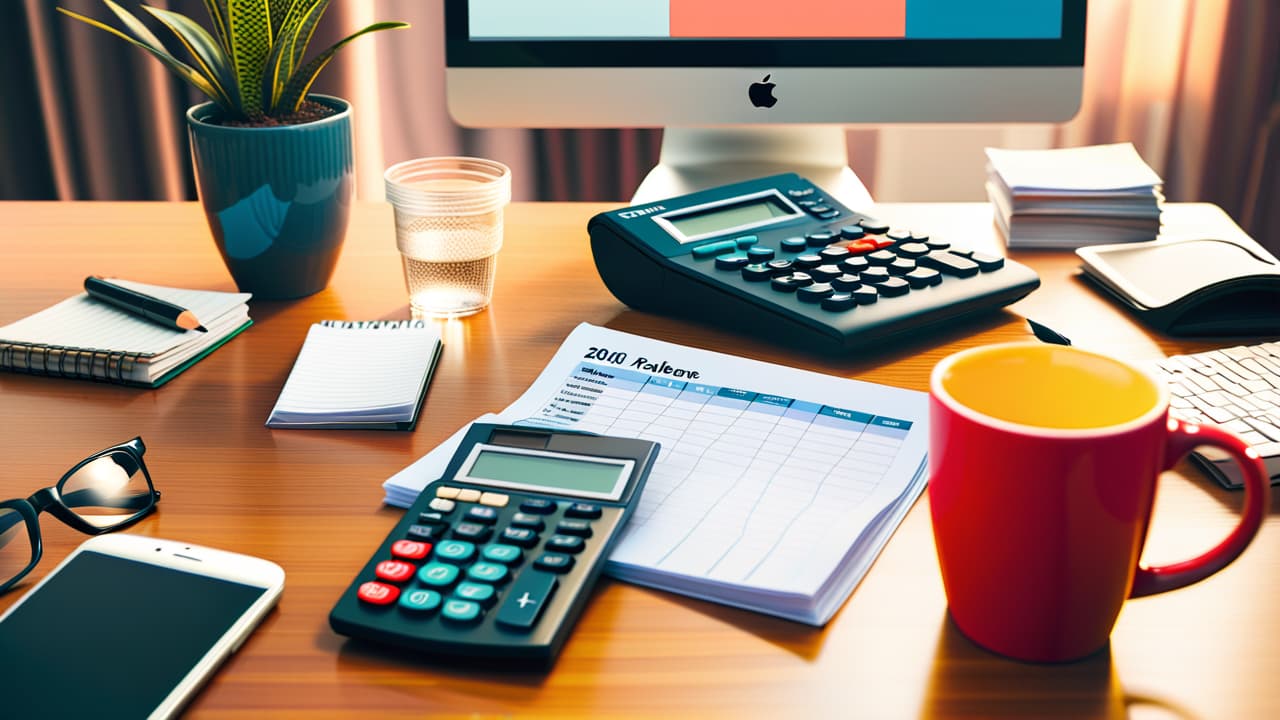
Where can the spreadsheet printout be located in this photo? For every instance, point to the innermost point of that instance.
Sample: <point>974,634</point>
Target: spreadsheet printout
<point>770,479</point>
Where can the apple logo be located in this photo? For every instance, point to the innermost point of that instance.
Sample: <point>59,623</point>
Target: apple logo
<point>761,93</point>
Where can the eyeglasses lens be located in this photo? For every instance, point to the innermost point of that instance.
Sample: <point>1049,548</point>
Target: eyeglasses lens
<point>15,544</point>
<point>108,490</point>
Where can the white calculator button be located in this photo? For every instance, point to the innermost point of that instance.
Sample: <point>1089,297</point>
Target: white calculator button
<point>441,505</point>
<point>494,499</point>
<point>468,495</point>
<point>446,492</point>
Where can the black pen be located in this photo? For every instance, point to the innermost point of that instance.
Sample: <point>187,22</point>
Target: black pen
<point>151,308</point>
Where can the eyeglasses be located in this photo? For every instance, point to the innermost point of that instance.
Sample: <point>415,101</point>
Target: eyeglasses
<point>106,491</point>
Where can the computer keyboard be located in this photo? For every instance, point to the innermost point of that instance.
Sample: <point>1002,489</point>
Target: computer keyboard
<point>1237,388</point>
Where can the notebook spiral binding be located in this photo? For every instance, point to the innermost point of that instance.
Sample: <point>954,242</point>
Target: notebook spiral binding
<point>54,361</point>
<point>375,324</point>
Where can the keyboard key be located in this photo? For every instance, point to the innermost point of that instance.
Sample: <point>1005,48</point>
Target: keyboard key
<point>394,570</point>
<point>823,273</point>
<point>838,302</point>
<point>539,506</point>
<point>460,611</point>
<point>482,514</point>
<point>913,250</point>
<point>781,267</point>
<point>455,551</point>
<point>902,266</point>
<point>713,249</point>
<point>410,549</point>
<point>746,241</point>
<point>479,593</point>
<point>794,244</point>
<point>874,275</point>
<point>472,532</point>
<point>923,277</point>
<point>494,499</point>
<point>590,511</point>
<point>872,225</point>
<point>524,537</point>
<point>565,544</point>
<point>894,287</point>
<point>487,572</point>
<point>757,272</point>
<point>468,495</point>
<point>442,505</point>
<point>852,232</point>
<point>898,235</point>
<point>437,574</point>
<point>882,257</point>
<point>732,262</point>
<point>760,254</point>
<point>854,265</point>
<point>525,600</point>
<point>792,282</point>
<point>422,601</point>
<point>447,492</point>
<point>949,264</point>
<point>529,520</point>
<point>426,533</point>
<point>865,295</point>
<point>554,562</point>
<point>814,293</point>
<point>808,261</point>
<point>431,518</point>
<point>846,282</point>
<point>822,238</point>
<point>834,253</point>
<point>499,553</point>
<point>376,593</point>
<point>580,528</point>
<point>987,263</point>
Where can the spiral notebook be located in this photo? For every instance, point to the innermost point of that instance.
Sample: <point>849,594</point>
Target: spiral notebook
<point>358,375</point>
<point>85,338</point>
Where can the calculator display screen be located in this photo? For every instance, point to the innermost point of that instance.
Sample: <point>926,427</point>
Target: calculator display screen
<point>720,217</point>
<point>602,478</point>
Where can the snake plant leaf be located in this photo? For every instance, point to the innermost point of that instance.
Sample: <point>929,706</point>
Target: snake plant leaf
<point>279,10</point>
<point>302,80</point>
<point>213,62</point>
<point>295,32</point>
<point>218,16</point>
<point>186,72</point>
<point>249,34</point>
<point>134,25</point>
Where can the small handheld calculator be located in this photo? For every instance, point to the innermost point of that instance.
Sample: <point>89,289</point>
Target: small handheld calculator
<point>497,558</point>
<point>777,257</point>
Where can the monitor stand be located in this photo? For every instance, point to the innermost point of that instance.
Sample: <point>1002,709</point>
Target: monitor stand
<point>700,158</point>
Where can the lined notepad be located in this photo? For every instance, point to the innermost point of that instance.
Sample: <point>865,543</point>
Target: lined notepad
<point>359,375</point>
<point>87,338</point>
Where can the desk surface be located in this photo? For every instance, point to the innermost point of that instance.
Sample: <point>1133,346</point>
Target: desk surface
<point>311,500</point>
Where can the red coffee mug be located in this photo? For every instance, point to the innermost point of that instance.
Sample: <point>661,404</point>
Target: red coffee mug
<point>1043,462</point>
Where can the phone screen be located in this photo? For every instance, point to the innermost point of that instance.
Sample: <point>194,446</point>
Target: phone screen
<point>111,637</point>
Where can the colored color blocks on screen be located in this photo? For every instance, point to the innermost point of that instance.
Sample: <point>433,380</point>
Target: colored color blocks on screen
<point>819,19</point>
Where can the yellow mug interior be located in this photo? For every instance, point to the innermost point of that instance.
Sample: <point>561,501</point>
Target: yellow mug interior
<point>1048,386</point>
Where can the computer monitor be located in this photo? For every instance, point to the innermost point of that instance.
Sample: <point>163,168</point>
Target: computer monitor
<point>746,88</point>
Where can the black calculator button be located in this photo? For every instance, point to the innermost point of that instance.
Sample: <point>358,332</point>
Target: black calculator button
<point>524,537</point>
<point>482,514</point>
<point>425,533</point>
<point>540,506</point>
<point>874,275</point>
<point>590,511</point>
<point>865,295</point>
<point>913,249</point>
<point>902,266</point>
<point>814,293</point>
<point>936,244</point>
<point>800,192</point>
<point>923,277</point>
<point>854,265</point>
<point>455,551</point>
<point>794,244</point>
<point>438,575</point>
<point>480,593</point>
<point>758,272</point>
<point>780,267</point>
<point>420,601</point>
<point>712,249</point>
<point>431,518</point>
<point>460,611</point>
<point>893,287</point>
<point>808,261</point>
<point>554,562</point>
<point>809,203</point>
<point>760,254</point>
<point>732,262</point>
<point>488,572</point>
<point>836,302</point>
<point>789,283</point>
<point>834,253</point>
<point>949,263</point>
<point>882,257</point>
<point>823,273</point>
<point>828,215</point>
<point>821,238</point>
<point>874,226</point>
<point>852,232</point>
<point>580,528</point>
<point>816,209</point>
<point>898,235</point>
<point>565,544</point>
<point>529,520</point>
<point>499,553</point>
<point>472,532</point>
<point>524,603</point>
<point>987,263</point>
<point>845,282</point>
<point>917,236</point>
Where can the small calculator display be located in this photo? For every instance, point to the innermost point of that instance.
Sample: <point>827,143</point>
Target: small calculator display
<point>497,558</point>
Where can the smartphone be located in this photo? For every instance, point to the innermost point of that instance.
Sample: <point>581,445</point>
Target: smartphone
<point>129,627</point>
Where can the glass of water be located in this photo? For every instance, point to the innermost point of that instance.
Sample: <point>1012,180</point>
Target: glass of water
<point>449,230</point>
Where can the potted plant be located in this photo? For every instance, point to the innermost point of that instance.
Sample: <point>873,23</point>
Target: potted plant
<point>273,163</point>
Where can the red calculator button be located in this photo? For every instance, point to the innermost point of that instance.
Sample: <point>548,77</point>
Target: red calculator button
<point>410,549</point>
<point>394,570</point>
<point>376,593</point>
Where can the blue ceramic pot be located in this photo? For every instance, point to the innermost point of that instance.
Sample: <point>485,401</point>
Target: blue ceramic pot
<point>277,198</point>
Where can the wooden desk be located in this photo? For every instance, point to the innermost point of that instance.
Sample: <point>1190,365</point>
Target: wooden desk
<point>311,501</point>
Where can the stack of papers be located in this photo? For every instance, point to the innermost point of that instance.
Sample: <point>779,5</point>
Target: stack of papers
<point>775,488</point>
<point>1074,197</point>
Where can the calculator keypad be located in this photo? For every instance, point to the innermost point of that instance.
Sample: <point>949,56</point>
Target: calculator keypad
<point>475,557</point>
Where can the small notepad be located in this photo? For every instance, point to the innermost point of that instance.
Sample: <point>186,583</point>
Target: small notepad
<point>359,375</point>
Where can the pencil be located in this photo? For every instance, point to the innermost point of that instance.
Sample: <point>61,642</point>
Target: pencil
<point>147,306</point>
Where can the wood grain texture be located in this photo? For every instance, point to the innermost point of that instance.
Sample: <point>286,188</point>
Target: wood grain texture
<point>311,500</point>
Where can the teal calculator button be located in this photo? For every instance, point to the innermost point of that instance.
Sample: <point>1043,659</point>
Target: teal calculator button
<point>746,241</point>
<point>455,551</point>
<point>487,572</point>
<point>715,248</point>
<point>499,553</point>
<point>438,574</point>
<point>475,592</point>
<point>420,600</point>
<point>461,610</point>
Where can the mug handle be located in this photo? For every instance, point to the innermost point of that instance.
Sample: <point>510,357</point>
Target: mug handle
<point>1183,438</point>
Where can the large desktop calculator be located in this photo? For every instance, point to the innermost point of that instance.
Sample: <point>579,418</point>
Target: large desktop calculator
<point>497,558</point>
<point>780,258</point>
